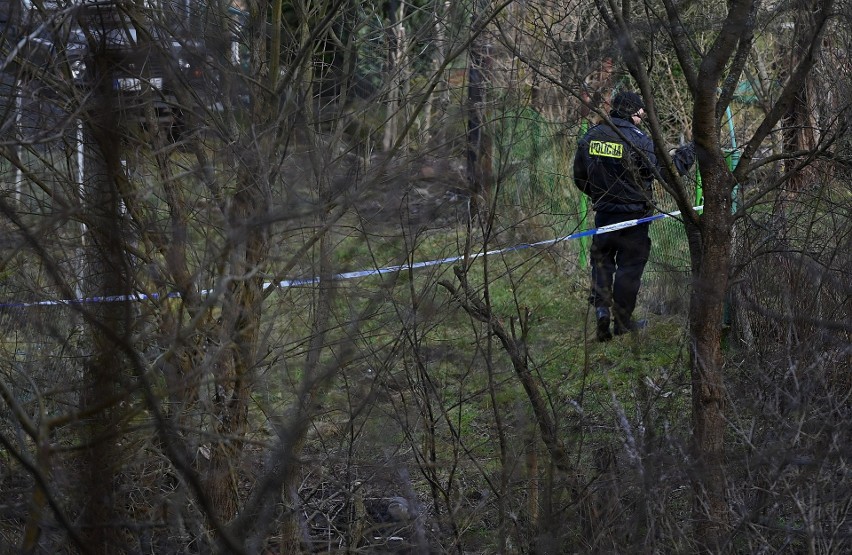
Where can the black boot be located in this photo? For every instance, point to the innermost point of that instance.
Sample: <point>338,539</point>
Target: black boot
<point>602,324</point>
<point>628,325</point>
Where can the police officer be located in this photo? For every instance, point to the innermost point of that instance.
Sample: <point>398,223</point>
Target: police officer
<point>615,166</point>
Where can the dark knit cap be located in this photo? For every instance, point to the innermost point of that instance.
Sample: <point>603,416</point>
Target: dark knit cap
<point>625,104</point>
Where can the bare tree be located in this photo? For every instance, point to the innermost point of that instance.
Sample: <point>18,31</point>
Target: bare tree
<point>218,334</point>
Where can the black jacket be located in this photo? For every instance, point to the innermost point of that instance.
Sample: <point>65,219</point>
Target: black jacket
<point>616,173</point>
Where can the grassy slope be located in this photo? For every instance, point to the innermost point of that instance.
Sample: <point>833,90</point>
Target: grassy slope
<point>430,372</point>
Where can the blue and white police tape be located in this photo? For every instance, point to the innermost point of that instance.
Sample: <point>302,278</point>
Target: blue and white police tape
<point>361,273</point>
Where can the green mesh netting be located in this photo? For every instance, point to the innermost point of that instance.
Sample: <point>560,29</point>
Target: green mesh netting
<point>533,159</point>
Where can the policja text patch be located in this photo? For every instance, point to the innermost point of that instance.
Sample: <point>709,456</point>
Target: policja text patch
<point>610,150</point>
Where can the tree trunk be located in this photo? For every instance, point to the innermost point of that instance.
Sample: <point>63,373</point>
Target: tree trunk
<point>396,63</point>
<point>242,302</point>
<point>799,123</point>
<point>478,140</point>
<point>439,101</point>
<point>710,270</point>
<point>241,313</point>
<point>107,274</point>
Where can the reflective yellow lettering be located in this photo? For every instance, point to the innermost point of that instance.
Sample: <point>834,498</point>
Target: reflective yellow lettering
<point>610,150</point>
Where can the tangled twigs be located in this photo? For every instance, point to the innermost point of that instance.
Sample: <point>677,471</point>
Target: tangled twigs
<point>516,347</point>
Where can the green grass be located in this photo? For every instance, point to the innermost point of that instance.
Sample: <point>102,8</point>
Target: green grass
<point>635,370</point>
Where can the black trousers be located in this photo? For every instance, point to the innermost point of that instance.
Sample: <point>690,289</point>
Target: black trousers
<point>618,260</point>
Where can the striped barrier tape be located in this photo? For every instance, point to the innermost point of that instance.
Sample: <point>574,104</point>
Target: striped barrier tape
<point>361,273</point>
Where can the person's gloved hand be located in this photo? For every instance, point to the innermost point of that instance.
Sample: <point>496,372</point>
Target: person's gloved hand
<point>684,157</point>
